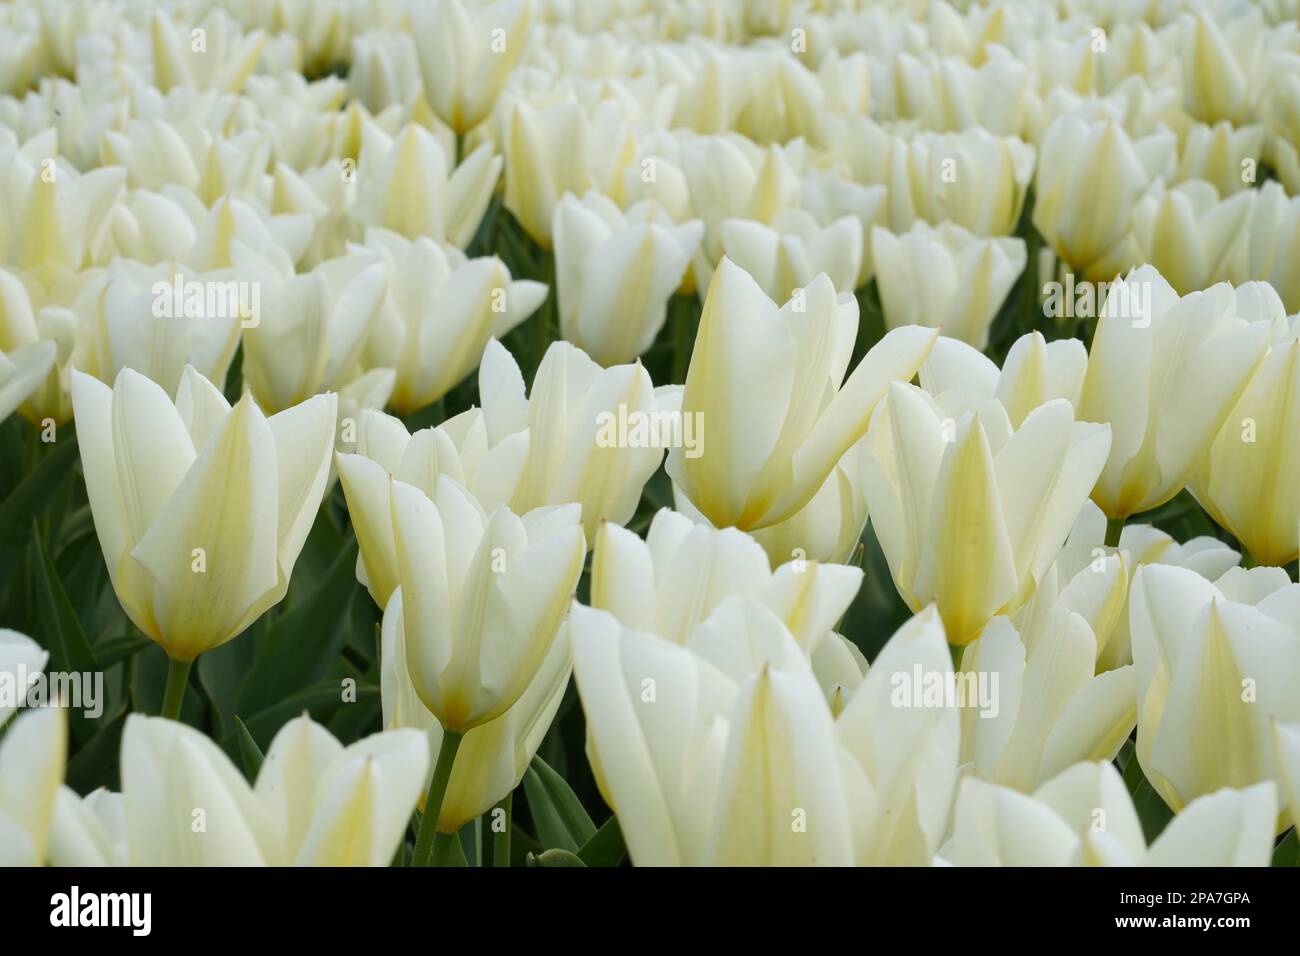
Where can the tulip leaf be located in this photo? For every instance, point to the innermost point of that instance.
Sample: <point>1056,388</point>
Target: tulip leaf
<point>554,857</point>
<point>557,813</point>
<point>95,763</point>
<point>115,650</point>
<point>605,848</point>
<point>249,751</point>
<point>64,639</point>
<point>320,700</point>
<point>296,650</point>
<point>1287,852</point>
<point>30,499</point>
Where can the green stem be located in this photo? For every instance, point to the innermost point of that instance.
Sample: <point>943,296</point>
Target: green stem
<point>460,148</point>
<point>443,843</point>
<point>424,841</point>
<point>1114,527</point>
<point>501,841</point>
<point>178,676</point>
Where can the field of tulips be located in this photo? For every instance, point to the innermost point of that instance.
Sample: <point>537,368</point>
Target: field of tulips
<point>649,432</point>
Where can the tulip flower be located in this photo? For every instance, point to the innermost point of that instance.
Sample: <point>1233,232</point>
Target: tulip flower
<point>1165,372</point>
<point>614,273</point>
<point>1216,662</point>
<point>479,603</point>
<point>673,580</point>
<point>577,450</point>
<point>1035,372</point>
<point>560,148</point>
<point>1050,710</point>
<point>1093,580</point>
<point>793,250</point>
<point>766,380</point>
<point>945,278</point>
<point>466,54</point>
<point>405,187</point>
<point>1249,481</point>
<point>1272,243</point>
<point>21,373</point>
<point>1080,161</point>
<point>701,770</point>
<point>201,509</point>
<point>21,659</point>
<point>311,329</point>
<point>1223,155</point>
<point>441,310</point>
<point>971,178</point>
<point>32,756</point>
<point>1235,60</point>
<point>315,802</point>
<point>492,756</point>
<point>158,320</point>
<point>1085,817</point>
<point>223,62</point>
<point>969,512</point>
<point>1189,236</point>
<point>906,742</point>
<point>33,318</point>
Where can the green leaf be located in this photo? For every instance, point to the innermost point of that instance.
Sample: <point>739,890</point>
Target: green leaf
<point>555,857</point>
<point>319,700</point>
<point>295,651</point>
<point>1287,852</point>
<point>34,494</point>
<point>559,816</point>
<point>95,763</point>
<point>60,627</point>
<point>115,650</point>
<point>606,847</point>
<point>248,750</point>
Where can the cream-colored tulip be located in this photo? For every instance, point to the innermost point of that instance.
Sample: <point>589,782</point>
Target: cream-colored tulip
<point>1049,710</point>
<point>159,320</point>
<point>906,743</point>
<point>945,277</point>
<point>441,310</point>
<point>405,187</point>
<point>1273,243</point>
<point>678,576</point>
<point>1249,481</point>
<point>21,661</point>
<point>701,769</point>
<point>1165,372</point>
<point>492,757</point>
<point>768,382</point>
<point>1224,155</point>
<point>1090,176</point>
<point>829,527</point>
<point>1035,372</point>
<point>970,512</point>
<point>21,373</point>
<point>788,254</point>
<point>972,178</point>
<point>466,54</point>
<point>315,802</point>
<point>1094,580</point>
<point>33,315</point>
<point>1223,66</point>
<point>219,57</point>
<point>576,449</point>
<point>88,831</point>
<point>1190,236</point>
<point>32,756</point>
<point>1215,664</point>
<point>1084,816</point>
<point>480,599</point>
<point>615,271</point>
<point>201,509</point>
<point>311,330</point>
